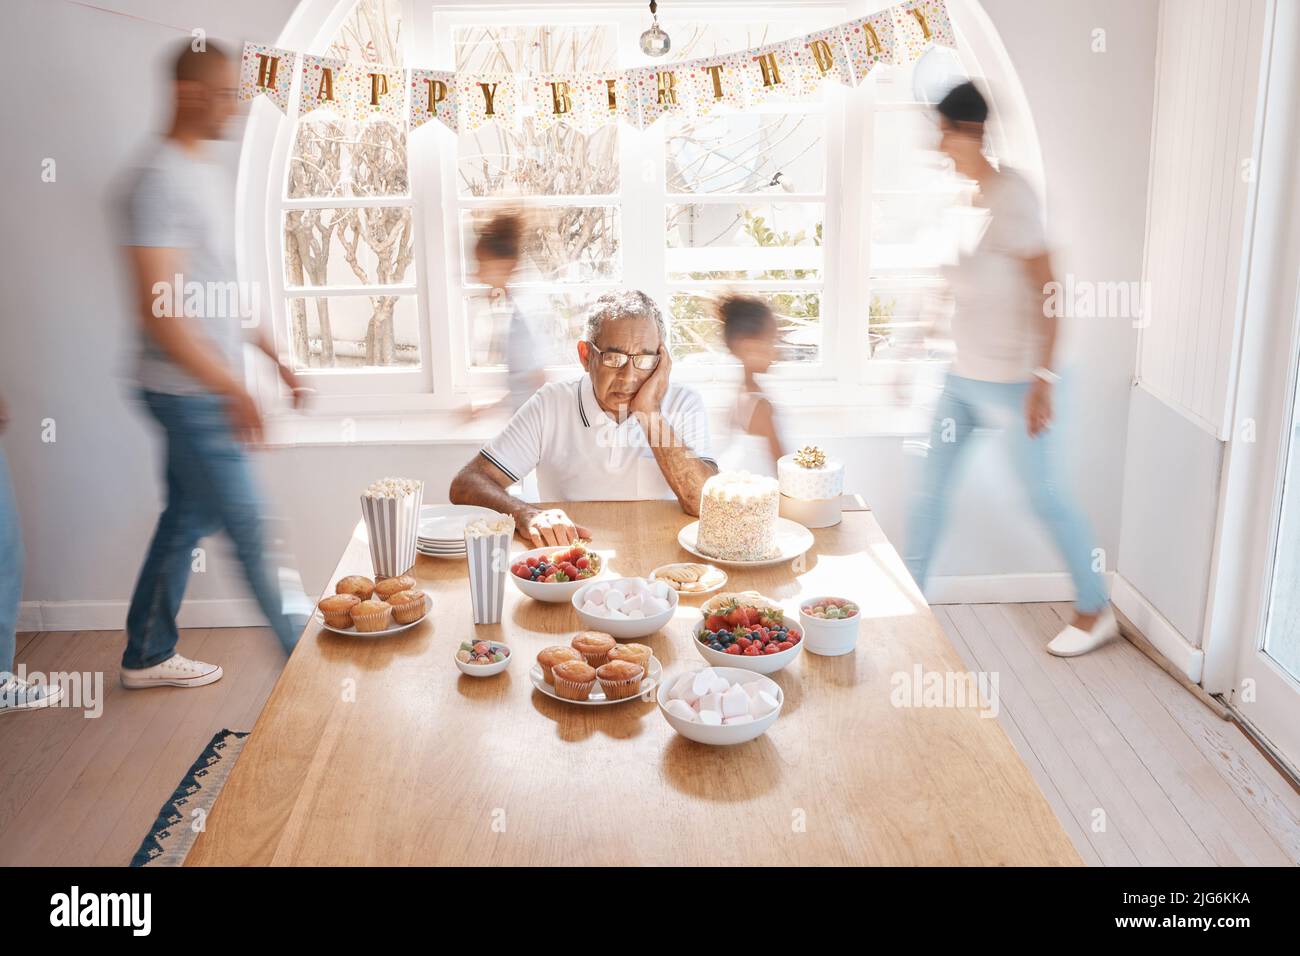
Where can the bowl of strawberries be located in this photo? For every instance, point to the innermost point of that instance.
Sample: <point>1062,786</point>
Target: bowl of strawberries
<point>553,574</point>
<point>747,630</point>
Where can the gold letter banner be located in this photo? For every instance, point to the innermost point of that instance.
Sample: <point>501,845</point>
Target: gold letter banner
<point>775,73</point>
<point>379,92</point>
<point>267,71</point>
<point>488,98</point>
<point>325,86</point>
<point>658,90</point>
<point>822,56</point>
<point>557,98</point>
<point>434,95</point>
<point>783,71</point>
<point>870,42</point>
<point>715,81</point>
<point>917,25</point>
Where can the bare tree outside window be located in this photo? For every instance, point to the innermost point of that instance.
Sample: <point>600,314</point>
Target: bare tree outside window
<point>336,156</point>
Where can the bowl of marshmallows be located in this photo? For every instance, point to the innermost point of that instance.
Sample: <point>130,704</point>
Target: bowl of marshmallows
<point>625,608</point>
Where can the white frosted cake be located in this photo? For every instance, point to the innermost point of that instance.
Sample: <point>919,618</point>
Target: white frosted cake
<point>811,485</point>
<point>738,513</point>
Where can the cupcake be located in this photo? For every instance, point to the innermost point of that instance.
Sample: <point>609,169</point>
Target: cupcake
<point>594,646</point>
<point>389,586</point>
<point>573,679</point>
<point>408,606</point>
<point>337,609</point>
<point>371,615</point>
<point>551,656</point>
<point>636,653</point>
<point>620,679</point>
<point>356,584</point>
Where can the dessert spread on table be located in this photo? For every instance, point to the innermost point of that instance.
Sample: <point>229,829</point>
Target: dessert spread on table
<point>738,522</point>
<point>738,513</point>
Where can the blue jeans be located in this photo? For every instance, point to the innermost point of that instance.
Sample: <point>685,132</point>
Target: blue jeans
<point>209,489</point>
<point>11,570</point>
<point>967,404</point>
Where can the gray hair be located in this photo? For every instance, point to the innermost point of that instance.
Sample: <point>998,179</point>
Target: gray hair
<point>625,304</point>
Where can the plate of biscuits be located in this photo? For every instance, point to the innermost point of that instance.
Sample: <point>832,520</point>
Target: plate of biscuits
<point>688,577</point>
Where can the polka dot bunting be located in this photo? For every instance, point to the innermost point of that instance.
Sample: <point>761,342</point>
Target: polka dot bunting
<point>870,42</point>
<point>912,20</point>
<point>325,85</point>
<point>434,83</point>
<point>783,71</point>
<point>268,71</point>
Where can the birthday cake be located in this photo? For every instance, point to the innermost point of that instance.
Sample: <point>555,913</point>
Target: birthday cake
<point>738,513</point>
<point>810,485</point>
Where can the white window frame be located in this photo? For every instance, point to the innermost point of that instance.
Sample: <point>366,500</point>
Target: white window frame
<point>848,380</point>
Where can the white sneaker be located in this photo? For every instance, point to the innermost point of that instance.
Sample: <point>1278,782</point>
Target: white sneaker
<point>176,671</point>
<point>16,695</point>
<point>1073,641</point>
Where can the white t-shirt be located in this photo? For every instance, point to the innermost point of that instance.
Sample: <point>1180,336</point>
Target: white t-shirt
<point>177,201</point>
<point>998,323</point>
<point>582,454</point>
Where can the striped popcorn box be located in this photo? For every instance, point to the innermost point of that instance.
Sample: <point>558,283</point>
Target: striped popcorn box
<point>392,511</point>
<point>487,551</point>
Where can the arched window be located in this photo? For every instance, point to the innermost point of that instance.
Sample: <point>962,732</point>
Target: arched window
<point>832,209</point>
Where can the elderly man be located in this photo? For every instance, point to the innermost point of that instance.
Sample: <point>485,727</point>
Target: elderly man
<point>620,432</point>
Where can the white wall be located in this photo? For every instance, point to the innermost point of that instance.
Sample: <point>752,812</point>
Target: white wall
<point>1199,217</point>
<point>89,500</point>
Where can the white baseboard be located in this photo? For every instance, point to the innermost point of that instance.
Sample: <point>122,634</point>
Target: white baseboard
<point>1002,588</point>
<point>1164,637</point>
<point>111,615</point>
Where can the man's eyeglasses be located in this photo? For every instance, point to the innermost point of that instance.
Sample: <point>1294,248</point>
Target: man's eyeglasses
<point>642,363</point>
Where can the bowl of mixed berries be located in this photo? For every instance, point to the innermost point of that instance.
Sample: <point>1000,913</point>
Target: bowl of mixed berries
<point>748,631</point>
<point>830,625</point>
<point>554,574</point>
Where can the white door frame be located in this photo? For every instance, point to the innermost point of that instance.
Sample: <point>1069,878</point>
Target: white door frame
<point>1255,458</point>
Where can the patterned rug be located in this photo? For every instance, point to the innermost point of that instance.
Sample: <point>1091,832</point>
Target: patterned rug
<point>179,821</point>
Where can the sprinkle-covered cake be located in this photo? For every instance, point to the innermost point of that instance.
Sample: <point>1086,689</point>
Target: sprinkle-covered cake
<point>738,513</point>
<point>811,485</point>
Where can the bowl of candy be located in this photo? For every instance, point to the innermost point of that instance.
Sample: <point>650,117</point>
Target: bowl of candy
<point>482,658</point>
<point>830,625</point>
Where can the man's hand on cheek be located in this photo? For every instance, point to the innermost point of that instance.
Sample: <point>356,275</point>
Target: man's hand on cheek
<point>649,398</point>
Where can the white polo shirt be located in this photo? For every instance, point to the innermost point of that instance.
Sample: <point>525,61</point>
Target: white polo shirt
<point>582,454</point>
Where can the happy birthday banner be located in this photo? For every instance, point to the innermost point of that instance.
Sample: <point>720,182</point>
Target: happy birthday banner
<point>793,69</point>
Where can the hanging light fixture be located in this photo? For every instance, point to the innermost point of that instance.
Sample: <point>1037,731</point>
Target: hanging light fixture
<point>654,42</point>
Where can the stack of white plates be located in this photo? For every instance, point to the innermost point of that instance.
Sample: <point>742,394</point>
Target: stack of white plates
<point>442,529</point>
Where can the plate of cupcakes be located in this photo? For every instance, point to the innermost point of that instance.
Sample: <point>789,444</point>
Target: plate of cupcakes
<point>362,607</point>
<point>594,669</point>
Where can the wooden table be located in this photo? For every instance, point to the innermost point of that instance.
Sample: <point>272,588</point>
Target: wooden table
<point>381,752</point>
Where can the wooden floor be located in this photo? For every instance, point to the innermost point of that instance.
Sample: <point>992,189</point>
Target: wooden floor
<point>84,792</point>
<point>1136,768</point>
